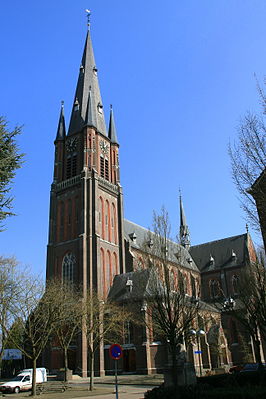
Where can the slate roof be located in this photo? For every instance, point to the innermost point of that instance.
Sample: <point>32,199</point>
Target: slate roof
<point>222,251</point>
<point>87,81</point>
<point>141,289</point>
<point>138,236</point>
<point>120,292</point>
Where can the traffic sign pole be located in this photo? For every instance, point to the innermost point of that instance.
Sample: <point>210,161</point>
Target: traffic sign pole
<point>116,352</point>
<point>116,384</point>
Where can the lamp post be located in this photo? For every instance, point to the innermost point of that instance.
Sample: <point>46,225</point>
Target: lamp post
<point>199,333</point>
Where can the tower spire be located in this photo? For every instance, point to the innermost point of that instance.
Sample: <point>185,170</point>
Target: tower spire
<point>61,130</point>
<point>112,130</point>
<point>87,90</point>
<point>184,231</point>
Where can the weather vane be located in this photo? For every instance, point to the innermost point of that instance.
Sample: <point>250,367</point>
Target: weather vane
<point>88,17</point>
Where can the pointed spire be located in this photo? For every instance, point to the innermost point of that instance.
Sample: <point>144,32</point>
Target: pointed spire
<point>87,91</point>
<point>61,130</point>
<point>184,231</point>
<point>112,130</point>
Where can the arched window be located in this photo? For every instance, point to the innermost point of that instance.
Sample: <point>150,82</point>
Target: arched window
<point>62,220</point>
<point>107,221</point>
<point>71,165</point>
<point>109,269</point>
<point>102,166</point>
<point>101,218</point>
<point>172,280</point>
<point>68,267</point>
<point>114,224</point>
<point>235,284</point>
<point>115,263</point>
<point>214,289</point>
<point>181,282</point>
<point>103,270</point>
<point>193,286</point>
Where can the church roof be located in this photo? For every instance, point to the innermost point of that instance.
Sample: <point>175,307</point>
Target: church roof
<point>87,101</point>
<point>142,287</point>
<point>227,252</point>
<point>119,290</point>
<point>138,236</point>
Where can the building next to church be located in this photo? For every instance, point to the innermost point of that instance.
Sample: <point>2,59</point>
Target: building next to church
<point>92,245</point>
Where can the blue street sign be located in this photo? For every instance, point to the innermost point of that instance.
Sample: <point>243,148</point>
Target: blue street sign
<point>198,352</point>
<point>115,351</point>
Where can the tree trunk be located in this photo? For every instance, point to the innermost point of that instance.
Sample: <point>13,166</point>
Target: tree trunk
<point>257,351</point>
<point>33,389</point>
<point>91,370</point>
<point>66,364</point>
<point>174,365</point>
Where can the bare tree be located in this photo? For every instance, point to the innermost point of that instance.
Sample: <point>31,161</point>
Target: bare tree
<point>67,314</point>
<point>248,163</point>
<point>171,310</point>
<point>250,307</point>
<point>32,313</point>
<point>104,321</point>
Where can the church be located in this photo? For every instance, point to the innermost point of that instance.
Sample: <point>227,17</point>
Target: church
<point>91,244</point>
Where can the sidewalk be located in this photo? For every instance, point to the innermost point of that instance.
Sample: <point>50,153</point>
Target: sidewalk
<point>129,387</point>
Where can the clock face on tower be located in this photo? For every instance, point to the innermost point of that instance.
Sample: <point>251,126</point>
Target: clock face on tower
<point>71,144</point>
<point>104,147</point>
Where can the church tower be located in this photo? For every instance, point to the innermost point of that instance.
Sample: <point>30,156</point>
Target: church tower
<point>86,244</point>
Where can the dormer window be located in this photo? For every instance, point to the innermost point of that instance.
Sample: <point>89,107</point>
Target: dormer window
<point>129,285</point>
<point>76,105</point>
<point>100,108</point>
<point>95,71</point>
<point>233,255</point>
<point>211,260</point>
<point>150,243</point>
<point>133,237</point>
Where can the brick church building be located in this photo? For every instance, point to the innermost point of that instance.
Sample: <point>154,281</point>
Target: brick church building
<point>91,244</point>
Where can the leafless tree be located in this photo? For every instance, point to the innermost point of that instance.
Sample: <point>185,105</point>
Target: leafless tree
<point>250,308</point>
<point>32,314</point>
<point>248,163</point>
<point>67,315</point>
<point>104,322</point>
<point>171,310</point>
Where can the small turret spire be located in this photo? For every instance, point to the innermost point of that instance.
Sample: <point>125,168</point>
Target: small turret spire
<point>184,231</point>
<point>61,130</point>
<point>112,130</point>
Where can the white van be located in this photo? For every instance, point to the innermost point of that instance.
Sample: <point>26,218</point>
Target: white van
<point>23,381</point>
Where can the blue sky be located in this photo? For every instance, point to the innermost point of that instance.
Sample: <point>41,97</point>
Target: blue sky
<point>180,74</point>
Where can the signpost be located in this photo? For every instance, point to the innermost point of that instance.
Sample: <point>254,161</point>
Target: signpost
<point>116,352</point>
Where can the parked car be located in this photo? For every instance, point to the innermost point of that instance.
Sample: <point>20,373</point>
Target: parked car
<point>23,381</point>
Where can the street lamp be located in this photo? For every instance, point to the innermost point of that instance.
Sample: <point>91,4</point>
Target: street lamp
<point>229,304</point>
<point>199,333</point>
